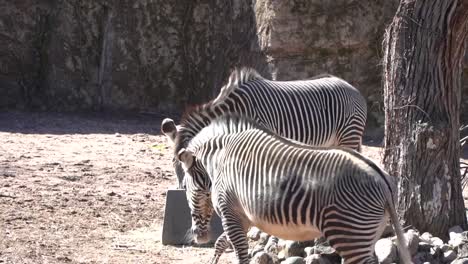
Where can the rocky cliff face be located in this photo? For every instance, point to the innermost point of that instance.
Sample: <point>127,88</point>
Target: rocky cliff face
<point>305,38</point>
<point>133,55</point>
<point>151,55</point>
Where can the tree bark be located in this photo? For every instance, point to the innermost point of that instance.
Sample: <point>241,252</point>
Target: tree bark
<point>424,47</point>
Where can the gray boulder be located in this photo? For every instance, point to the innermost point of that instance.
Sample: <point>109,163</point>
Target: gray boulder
<point>309,251</point>
<point>455,231</point>
<point>256,249</point>
<point>264,237</point>
<point>462,250</point>
<point>422,257</point>
<point>295,248</point>
<point>385,251</point>
<point>254,233</point>
<point>317,259</point>
<point>456,236</point>
<point>264,258</point>
<point>293,260</point>
<point>426,237</point>
<point>272,247</point>
<point>437,242</point>
<point>445,247</point>
<point>261,258</point>
<point>424,247</point>
<point>436,252</point>
<point>412,240</point>
<point>449,256</point>
<point>460,261</point>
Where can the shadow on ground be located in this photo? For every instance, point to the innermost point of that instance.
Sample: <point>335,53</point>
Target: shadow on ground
<point>82,123</point>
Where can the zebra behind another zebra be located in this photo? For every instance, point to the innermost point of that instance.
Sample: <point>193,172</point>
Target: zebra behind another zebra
<point>253,177</point>
<point>325,111</point>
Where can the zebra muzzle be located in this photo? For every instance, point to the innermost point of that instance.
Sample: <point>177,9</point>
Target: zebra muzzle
<point>200,235</point>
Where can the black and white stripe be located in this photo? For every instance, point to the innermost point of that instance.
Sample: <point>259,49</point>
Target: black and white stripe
<point>288,189</point>
<point>325,111</point>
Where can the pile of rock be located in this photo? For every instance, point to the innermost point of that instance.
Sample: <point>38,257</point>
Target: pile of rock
<point>424,249</point>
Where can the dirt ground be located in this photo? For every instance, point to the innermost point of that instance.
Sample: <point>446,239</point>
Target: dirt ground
<point>88,189</point>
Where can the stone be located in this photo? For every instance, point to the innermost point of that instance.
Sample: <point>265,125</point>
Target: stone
<point>437,242</point>
<point>282,243</point>
<point>281,255</point>
<point>462,250</point>
<point>455,231</point>
<point>460,261</point>
<point>324,250</point>
<point>293,260</point>
<point>316,259</point>
<point>458,239</point>
<point>426,237</point>
<point>412,240</point>
<point>272,247</point>
<point>385,251</point>
<point>421,257</point>
<point>321,241</point>
<point>425,247</point>
<point>295,248</point>
<point>328,252</point>
<point>309,251</point>
<point>263,258</point>
<point>275,259</point>
<point>254,233</point>
<point>449,256</point>
<point>456,236</point>
<point>445,247</point>
<point>263,240</point>
<point>177,220</point>
<point>256,249</point>
<point>435,252</point>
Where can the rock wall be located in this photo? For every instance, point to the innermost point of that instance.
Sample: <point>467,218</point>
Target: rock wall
<point>133,55</point>
<point>153,55</point>
<point>303,38</point>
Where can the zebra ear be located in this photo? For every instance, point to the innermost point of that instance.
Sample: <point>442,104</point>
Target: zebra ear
<point>169,129</point>
<point>186,157</point>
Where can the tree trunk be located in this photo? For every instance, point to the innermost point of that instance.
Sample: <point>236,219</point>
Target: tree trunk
<point>424,47</point>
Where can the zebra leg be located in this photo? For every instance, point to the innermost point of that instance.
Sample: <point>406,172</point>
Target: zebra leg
<point>222,243</point>
<point>355,244</point>
<point>353,252</point>
<point>235,228</point>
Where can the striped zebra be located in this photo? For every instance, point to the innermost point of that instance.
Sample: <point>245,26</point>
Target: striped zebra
<point>325,111</point>
<point>253,177</point>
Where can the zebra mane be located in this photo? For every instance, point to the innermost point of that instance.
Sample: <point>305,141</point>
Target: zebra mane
<point>223,125</point>
<point>198,117</point>
<point>237,78</point>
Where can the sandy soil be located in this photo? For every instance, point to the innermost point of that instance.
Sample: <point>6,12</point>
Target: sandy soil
<point>88,189</point>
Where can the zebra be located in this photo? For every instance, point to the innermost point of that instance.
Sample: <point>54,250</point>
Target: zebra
<point>252,177</point>
<point>324,111</point>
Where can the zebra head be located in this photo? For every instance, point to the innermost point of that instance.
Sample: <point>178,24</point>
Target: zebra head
<point>198,189</point>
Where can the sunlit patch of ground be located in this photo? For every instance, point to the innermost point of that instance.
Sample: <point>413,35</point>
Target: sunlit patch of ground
<point>88,189</point>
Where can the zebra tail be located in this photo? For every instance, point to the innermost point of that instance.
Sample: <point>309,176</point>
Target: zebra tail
<point>405,256</point>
